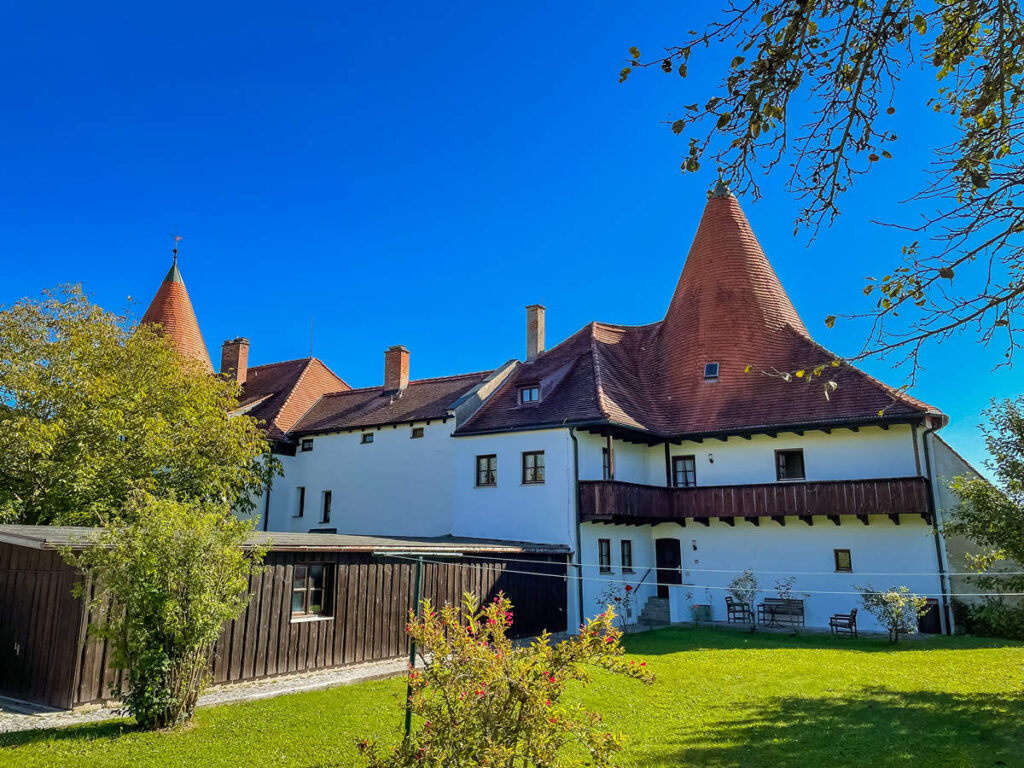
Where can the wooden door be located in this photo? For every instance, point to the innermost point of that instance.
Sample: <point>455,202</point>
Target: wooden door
<point>670,560</point>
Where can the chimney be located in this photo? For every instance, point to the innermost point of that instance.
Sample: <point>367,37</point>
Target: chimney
<point>234,359</point>
<point>396,369</point>
<point>534,331</point>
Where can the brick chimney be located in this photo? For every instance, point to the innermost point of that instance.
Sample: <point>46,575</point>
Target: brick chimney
<point>396,368</point>
<point>534,331</point>
<point>234,359</point>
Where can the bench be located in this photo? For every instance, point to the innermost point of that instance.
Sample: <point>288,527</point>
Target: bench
<point>844,623</point>
<point>738,611</point>
<point>779,612</point>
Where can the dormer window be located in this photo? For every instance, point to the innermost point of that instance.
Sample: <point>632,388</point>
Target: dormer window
<point>530,394</point>
<point>710,371</point>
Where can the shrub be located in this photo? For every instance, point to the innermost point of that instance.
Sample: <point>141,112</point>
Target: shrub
<point>994,617</point>
<point>621,598</point>
<point>897,609</point>
<point>745,587</point>
<point>167,579</point>
<point>486,701</point>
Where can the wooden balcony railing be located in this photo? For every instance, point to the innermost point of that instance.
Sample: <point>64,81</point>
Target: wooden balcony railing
<point>611,501</point>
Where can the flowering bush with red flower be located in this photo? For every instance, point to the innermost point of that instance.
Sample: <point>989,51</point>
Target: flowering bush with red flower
<point>621,598</point>
<point>483,700</point>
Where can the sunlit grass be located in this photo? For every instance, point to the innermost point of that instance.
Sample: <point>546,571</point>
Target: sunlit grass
<point>722,699</point>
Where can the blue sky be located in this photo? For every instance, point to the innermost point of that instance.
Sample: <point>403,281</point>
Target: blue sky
<point>405,173</point>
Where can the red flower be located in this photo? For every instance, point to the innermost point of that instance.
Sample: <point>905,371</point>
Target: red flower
<point>629,588</point>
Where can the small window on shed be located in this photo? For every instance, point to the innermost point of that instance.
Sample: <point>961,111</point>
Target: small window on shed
<point>530,394</point>
<point>367,438</point>
<point>710,371</point>
<point>307,444</point>
<point>311,583</point>
<point>789,465</point>
<point>416,432</point>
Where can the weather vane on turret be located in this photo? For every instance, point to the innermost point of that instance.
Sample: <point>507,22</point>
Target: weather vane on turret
<point>174,244</point>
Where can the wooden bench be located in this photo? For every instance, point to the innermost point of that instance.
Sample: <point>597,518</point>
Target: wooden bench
<point>738,611</point>
<point>781,612</point>
<point>844,623</point>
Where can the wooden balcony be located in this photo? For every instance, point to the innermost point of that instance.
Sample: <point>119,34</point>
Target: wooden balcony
<point>611,501</point>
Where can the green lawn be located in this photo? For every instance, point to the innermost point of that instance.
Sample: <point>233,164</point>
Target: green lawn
<point>722,699</point>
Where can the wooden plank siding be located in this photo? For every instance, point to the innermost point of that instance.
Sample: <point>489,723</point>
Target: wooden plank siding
<point>48,656</point>
<point>618,502</point>
<point>40,622</point>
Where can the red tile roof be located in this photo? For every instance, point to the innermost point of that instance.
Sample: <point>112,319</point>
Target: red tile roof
<point>729,307</point>
<point>171,310</point>
<point>278,394</point>
<point>422,400</point>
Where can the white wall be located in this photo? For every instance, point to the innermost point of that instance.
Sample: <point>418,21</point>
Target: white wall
<point>395,485</point>
<point>806,552</point>
<point>595,583</point>
<point>840,455</point>
<point>512,510</point>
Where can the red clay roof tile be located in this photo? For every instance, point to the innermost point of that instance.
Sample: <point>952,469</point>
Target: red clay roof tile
<point>171,310</point>
<point>728,307</point>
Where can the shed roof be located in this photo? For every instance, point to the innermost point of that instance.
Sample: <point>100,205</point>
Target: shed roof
<point>55,536</point>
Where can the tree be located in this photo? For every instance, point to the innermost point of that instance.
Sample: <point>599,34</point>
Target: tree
<point>93,408</point>
<point>484,700</point>
<point>992,516</point>
<point>165,582</point>
<point>897,609</point>
<point>812,84</point>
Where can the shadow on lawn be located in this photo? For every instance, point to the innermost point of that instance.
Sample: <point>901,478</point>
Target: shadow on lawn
<point>89,732</point>
<point>685,639</point>
<point>875,729</point>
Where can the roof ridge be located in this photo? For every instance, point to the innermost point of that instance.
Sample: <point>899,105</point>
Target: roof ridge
<point>622,326</point>
<point>356,390</point>
<point>598,385</point>
<point>282,362</point>
<point>291,394</point>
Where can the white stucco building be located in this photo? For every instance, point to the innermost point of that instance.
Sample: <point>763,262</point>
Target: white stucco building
<point>670,457</point>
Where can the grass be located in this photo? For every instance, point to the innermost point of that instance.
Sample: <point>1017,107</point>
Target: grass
<point>723,698</point>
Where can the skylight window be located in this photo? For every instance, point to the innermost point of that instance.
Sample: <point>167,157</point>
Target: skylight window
<point>710,371</point>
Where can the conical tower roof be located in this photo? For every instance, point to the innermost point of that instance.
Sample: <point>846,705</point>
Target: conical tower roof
<point>730,308</point>
<point>729,303</point>
<point>171,309</point>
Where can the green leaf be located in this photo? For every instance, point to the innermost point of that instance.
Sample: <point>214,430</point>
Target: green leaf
<point>830,321</point>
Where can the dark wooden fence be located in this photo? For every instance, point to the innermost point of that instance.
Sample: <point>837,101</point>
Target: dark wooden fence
<point>40,623</point>
<point>61,665</point>
<point>613,501</point>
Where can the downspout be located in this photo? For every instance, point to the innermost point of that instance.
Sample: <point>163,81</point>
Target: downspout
<point>576,515</point>
<point>944,582</point>
<point>266,503</point>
